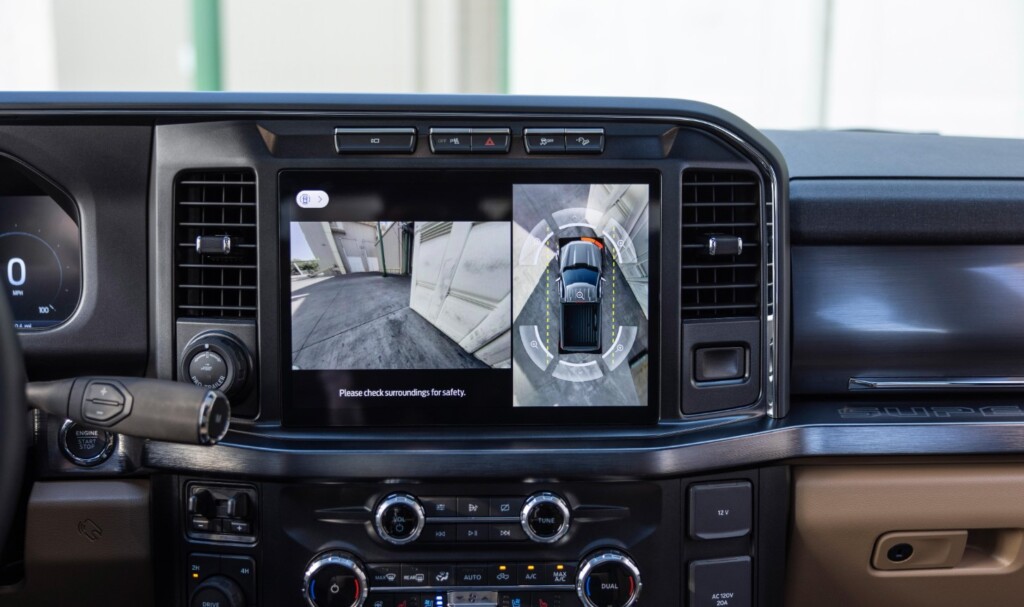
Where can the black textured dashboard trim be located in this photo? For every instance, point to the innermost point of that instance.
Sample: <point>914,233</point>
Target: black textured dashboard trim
<point>907,211</point>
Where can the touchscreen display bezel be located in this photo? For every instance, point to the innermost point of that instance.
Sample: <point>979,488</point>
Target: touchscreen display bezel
<point>307,397</point>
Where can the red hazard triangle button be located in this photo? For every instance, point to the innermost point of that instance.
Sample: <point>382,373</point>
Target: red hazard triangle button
<point>495,141</point>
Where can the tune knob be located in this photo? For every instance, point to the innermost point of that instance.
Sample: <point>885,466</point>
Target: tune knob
<point>216,360</point>
<point>334,579</point>
<point>218,590</point>
<point>608,579</point>
<point>545,518</point>
<point>399,519</point>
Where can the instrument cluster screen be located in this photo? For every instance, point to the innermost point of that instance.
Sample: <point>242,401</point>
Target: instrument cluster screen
<point>40,260</point>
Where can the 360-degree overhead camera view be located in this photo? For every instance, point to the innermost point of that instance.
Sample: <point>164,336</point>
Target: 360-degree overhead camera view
<point>580,293</point>
<point>499,303</point>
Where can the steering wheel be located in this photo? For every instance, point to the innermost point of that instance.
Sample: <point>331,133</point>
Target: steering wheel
<point>13,424</point>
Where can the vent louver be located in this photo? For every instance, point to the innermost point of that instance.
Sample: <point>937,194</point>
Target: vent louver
<point>219,207</point>
<point>727,205</point>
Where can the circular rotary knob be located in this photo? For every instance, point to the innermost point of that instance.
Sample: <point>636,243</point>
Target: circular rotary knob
<point>216,360</point>
<point>545,518</point>
<point>334,579</point>
<point>399,519</point>
<point>218,590</point>
<point>608,579</point>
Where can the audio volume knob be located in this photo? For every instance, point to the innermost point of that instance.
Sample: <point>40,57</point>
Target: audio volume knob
<point>216,360</point>
<point>608,579</point>
<point>334,579</point>
<point>545,518</point>
<point>399,519</point>
<point>218,590</point>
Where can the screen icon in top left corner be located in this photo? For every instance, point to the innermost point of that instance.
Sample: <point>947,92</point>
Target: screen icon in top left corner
<point>312,199</point>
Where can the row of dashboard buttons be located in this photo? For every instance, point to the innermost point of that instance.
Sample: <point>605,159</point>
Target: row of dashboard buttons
<point>468,140</point>
<point>472,507</point>
<point>501,599</point>
<point>475,575</point>
<point>470,532</point>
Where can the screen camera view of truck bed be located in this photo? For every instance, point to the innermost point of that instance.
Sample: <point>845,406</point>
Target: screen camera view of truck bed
<point>557,297</point>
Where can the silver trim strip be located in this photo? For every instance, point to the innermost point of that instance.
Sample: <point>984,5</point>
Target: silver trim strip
<point>937,383</point>
<point>997,430</point>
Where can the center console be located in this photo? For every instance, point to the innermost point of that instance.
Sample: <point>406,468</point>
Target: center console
<point>540,544</point>
<point>465,347</point>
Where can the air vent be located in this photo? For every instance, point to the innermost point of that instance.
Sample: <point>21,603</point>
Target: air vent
<point>724,206</point>
<point>217,210</point>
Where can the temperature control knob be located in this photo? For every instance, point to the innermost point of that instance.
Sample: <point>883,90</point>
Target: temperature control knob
<point>608,579</point>
<point>545,518</point>
<point>399,519</point>
<point>334,579</point>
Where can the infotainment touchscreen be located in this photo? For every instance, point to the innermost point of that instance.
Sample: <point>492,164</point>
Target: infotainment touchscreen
<point>467,297</point>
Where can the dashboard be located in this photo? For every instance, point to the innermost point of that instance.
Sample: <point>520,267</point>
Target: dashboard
<point>495,351</point>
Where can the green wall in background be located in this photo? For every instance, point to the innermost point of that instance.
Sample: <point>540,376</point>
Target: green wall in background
<point>206,38</point>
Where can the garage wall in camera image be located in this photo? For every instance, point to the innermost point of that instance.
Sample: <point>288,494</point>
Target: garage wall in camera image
<point>580,301</point>
<point>401,295</point>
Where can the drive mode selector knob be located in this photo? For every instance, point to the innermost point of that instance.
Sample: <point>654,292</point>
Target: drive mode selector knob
<point>545,518</point>
<point>334,579</point>
<point>218,590</point>
<point>608,579</point>
<point>399,519</point>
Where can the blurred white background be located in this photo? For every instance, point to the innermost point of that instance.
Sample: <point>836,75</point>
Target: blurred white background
<point>949,66</point>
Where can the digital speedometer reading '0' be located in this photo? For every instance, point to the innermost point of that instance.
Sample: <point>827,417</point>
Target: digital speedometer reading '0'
<point>40,260</point>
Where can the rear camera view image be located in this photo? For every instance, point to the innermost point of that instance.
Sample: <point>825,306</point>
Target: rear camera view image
<point>580,294</point>
<point>401,295</point>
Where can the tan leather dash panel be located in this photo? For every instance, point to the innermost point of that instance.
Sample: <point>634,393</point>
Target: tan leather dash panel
<point>856,530</point>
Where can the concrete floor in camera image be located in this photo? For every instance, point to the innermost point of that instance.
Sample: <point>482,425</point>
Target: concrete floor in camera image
<point>363,321</point>
<point>535,298</point>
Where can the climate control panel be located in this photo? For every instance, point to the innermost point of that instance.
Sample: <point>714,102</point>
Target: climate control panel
<point>607,578</point>
<point>681,542</point>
